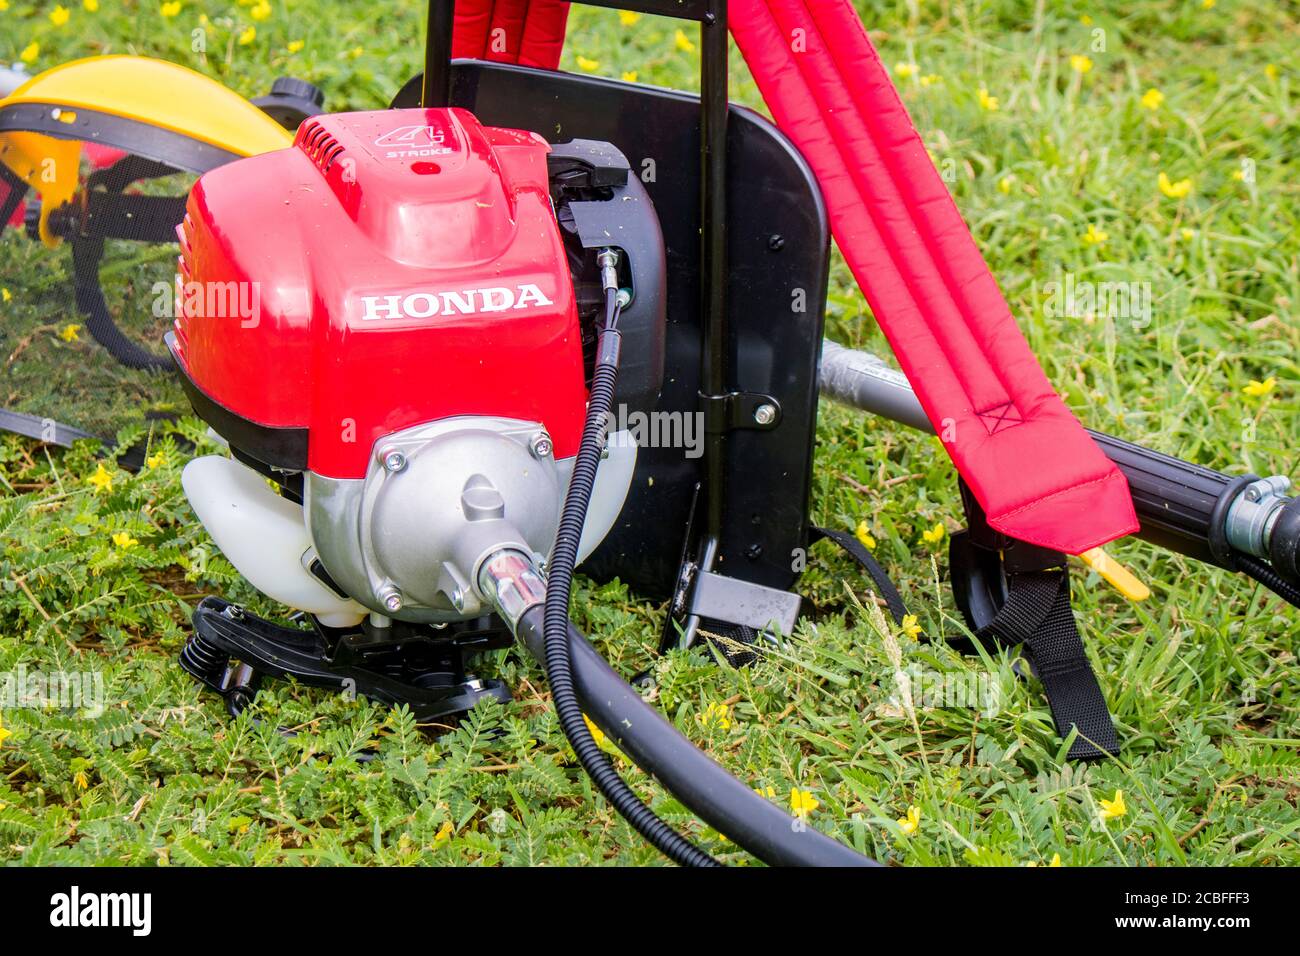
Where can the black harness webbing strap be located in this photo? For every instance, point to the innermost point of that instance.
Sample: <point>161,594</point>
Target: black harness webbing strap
<point>879,576</point>
<point>1037,614</point>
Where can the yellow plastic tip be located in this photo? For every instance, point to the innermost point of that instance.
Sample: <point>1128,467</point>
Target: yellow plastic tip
<point>1115,574</point>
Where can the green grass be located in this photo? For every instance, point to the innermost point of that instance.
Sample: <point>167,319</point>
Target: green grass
<point>1201,678</point>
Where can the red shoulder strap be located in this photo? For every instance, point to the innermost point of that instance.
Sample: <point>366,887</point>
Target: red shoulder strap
<point>1035,471</point>
<point>527,32</point>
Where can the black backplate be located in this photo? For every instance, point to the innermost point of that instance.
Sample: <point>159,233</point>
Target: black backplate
<point>778,255</point>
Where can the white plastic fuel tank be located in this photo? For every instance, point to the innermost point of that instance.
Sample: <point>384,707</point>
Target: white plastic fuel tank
<point>263,535</point>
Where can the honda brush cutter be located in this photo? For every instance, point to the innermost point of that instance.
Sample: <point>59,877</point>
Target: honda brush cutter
<point>461,328</point>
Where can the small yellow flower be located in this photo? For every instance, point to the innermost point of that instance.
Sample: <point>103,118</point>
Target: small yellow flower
<point>1086,20</point>
<point>1152,99</point>
<point>1095,236</point>
<point>79,778</point>
<point>1056,860</point>
<point>4,733</point>
<point>444,833</point>
<point>1186,234</point>
<point>6,295</point>
<point>683,42</point>
<point>629,76</point>
<point>1114,808</point>
<point>716,715</point>
<point>102,479</point>
<point>987,102</point>
<point>4,5</point>
<point>863,534</point>
<point>356,52</point>
<point>802,802</point>
<point>1080,63</point>
<point>91,6</point>
<point>69,332</point>
<point>1259,389</point>
<point>930,79</point>
<point>1238,175</point>
<point>911,627</point>
<point>1174,190</point>
<point>1271,71</point>
<point>260,12</point>
<point>910,823</point>
<point>170,9</point>
<point>59,15</point>
<point>1208,4</point>
<point>935,534</point>
<point>1004,185</point>
<point>248,36</point>
<point>124,540</point>
<point>628,18</point>
<point>586,64</point>
<point>769,792</point>
<point>904,70</point>
<point>296,45</point>
<point>30,52</point>
<point>156,459</point>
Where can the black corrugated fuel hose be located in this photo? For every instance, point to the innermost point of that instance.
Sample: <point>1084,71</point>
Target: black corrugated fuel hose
<point>559,584</point>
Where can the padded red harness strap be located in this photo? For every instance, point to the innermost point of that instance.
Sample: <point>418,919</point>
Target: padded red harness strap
<point>1033,468</point>
<point>527,32</point>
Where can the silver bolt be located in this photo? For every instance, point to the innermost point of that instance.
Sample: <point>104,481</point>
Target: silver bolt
<point>765,414</point>
<point>394,460</point>
<point>391,598</point>
<point>541,446</point>
<point>458,599</point>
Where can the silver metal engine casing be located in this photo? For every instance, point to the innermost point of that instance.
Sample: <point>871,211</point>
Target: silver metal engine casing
<point>407,540</point>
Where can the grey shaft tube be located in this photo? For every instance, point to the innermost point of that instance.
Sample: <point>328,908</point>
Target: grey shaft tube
<point>710,792</point>
<point>863,381</point>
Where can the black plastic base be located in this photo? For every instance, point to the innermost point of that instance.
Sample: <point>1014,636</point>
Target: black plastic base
<point>423,667</point>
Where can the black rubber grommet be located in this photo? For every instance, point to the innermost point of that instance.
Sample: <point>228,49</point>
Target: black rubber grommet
<point>299,89</point>
<point>1217,533</point>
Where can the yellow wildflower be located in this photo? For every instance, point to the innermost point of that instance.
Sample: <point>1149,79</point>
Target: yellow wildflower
<point>59,15</point>
<point>262,11</point>
<point>444,833</point>
<point>30,52</point>
<point>154,460</point>
<point>987,102</point>
<point>1004,185</point>
<point>1208,4</point>
<point>930,79</point>
<point>1174,190</point>
<point>629,76</point>
<point>863,534</point>
<point>586,64</point>
<point>1080,63</point>
<point>1271,71</point>
<point>5,295</point>
<point>248,36</point>
<point>1187,234</point>
<point>295,45</point>
<point>1259,389</point>
<point>1086,20</point>
<point>170,9</point>
<point>628,17</point>
<point>911,627</point>
<point>4,733</point>
<point>124,540</point>
<point>79,778</point>
<point>1152,99</point>
<point>769,792</point>
<point>912,822</point>
<point>356,52</point>
<point>802,802</point>
<point>1056,860</point>
<point>1095,236</point>
<point>1114,808</point>
<point>716,714</point>
<point>69,332</point>
<point>102,479</point>
<point>91,6</point>
<point>684,42</point>
<point>904,70</point>
<point>935,534</point>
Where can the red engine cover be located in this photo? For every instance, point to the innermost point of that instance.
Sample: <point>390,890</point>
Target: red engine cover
<point>402,266</point>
